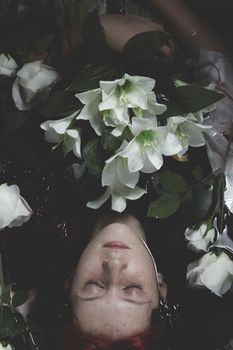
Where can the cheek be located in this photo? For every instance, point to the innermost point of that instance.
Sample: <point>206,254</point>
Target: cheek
<point>87,268</point>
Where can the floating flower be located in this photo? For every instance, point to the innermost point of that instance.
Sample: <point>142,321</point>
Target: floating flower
<point>187,130</point>
<point>33,84</point>
<point>145,151</point>
<point>153,108</point>
<point>121,184</point>
<point>91,99</point>
<point>14,210</point>
<point>213,271</point>
<point>201,238</point>
<point>57,131</point>
<point>8,65</point>
<point>117,118</point>
<point>129,92</point>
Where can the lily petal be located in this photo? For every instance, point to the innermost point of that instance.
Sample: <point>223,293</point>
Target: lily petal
<point>95,204</point>
<point>155,161</point>
<point>133,153</point>
<point>118,203</point>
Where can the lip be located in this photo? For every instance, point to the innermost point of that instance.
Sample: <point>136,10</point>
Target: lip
<point>116,245</point>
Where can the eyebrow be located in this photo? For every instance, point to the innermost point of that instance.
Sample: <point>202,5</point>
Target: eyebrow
<point>132,301</point>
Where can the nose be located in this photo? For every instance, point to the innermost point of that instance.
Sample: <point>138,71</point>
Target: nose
<point>113,268</point>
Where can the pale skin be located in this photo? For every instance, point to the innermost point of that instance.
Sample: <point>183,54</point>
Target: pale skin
<point>188,28</point>
<point>118,30</point>
<point>115,289</point>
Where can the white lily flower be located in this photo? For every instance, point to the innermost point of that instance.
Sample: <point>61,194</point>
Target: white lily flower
<point>145,152</point>
<point>117,118</point>
<point>121,184</point>
<point>91,99</point>
<point>8,65</point>
<point>119,194</point>
<point>201,238</point>
<point>33,84</point>
<point>14,210</point>
<point>130,91</point>
<point>153,108</point>
<point>187,130</point>
<point>212,271</point>
<point>72,142</point>
<point>116,170</point>
<point>57,131</point>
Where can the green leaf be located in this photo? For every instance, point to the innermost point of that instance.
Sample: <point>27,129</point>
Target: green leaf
<point>172,182</point>
<point>194,98</point>
<point>187,197</point>
<point>12,323</point>
<point>173,109</point>
<point>92,154</point>
<point>19,298</point>
<point>89,78</point>
<point>6,294</point>
<point>187,210</point>
<point>58,105</point>
<point>109,142</point>
<point>10,123</point>
<point>145,46</point>
<point>164,206</point>
<point>197,173</point>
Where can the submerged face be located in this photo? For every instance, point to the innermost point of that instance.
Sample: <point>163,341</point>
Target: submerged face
<point>114,287</point>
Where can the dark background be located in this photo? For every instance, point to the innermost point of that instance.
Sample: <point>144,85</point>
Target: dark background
<point>38,255</point>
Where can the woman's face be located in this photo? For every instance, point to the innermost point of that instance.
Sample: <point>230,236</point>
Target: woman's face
<point>114,288</point>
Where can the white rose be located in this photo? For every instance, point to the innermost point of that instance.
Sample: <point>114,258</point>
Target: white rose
<point>8,347</point>
<point>201,238</point>
<point>33,84</point>
<point>213,272</point>
<point>8,65</point>
<point>14,210</point>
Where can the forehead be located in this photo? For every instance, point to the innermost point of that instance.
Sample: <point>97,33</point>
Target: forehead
<point>116,318</point>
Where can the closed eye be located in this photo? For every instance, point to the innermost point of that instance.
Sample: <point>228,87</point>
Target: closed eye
<point>133,286</point>
<point>95,283</point>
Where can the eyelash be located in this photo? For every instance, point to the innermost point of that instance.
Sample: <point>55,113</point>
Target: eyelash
<point>101,285</point>
<point>135,285</point>
<point>96,283</point>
